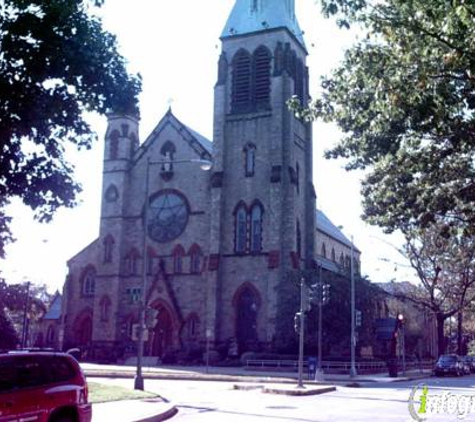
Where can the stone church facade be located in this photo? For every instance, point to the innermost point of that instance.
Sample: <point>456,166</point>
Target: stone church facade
<point>215,249</point>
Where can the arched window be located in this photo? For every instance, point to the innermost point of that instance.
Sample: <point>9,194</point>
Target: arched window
<point>249,159</point>
<point>256,228</point>
<point>261,73</point>
<point>168,151</point>
<point>114,145</point>
<point>342,260</point>
<point>108,248</point>
<point>112,194</point>
<point>324,250</point>
<point>89,281</point>
<point>195,259</point>
<point>178,254</point>
<point>240,236</point>
<point>241,85</point>
<point>131,262</point>
<point>105,305</point>
<point>333,255</point>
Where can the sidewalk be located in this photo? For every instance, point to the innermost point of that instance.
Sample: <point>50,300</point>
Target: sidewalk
<point>234,374</point>
<point>144,410</point>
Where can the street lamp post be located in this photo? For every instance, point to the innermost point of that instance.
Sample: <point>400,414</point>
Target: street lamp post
<point>353,372</point>
<point>205,165</point>
<point>400,317</point>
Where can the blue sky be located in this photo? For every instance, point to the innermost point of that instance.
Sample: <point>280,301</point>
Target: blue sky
<point>175,46</point>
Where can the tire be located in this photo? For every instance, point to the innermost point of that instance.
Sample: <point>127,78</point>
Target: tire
<point>63,418</point>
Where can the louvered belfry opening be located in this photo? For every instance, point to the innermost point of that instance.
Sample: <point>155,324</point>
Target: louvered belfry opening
<point>241,97</point>
<point>251,81</point>
<point>261,72</point>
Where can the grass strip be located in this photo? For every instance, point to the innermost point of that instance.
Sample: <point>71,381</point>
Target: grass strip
<point>101,393</point>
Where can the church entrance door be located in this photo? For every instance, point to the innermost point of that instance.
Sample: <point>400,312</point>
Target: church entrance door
<point>162,333</point>
<point>246,321</point>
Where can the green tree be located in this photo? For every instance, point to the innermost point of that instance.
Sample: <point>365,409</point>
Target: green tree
<point>446,270</point>
<point>14,300</point>
<point>404,98</point>
<point>56,62</point>
<point>8,336</point>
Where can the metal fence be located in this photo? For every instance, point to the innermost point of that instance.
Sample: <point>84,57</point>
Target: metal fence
<point>338,367</point>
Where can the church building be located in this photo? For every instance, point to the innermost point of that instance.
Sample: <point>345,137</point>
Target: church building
<point>215,250</point>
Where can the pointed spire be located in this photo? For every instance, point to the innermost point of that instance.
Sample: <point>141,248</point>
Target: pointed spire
<point>250,16</point>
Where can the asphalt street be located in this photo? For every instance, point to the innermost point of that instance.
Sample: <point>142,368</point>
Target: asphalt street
<point>218,401</point>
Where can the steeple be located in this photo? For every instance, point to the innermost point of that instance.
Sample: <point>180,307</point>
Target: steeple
<point>250,16</point>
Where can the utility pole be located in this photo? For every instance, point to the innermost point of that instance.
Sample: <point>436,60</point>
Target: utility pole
<point>353,372</point>
<point>302,319</point>
<point>24,334</point>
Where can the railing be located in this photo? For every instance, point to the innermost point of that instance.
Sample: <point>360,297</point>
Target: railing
<point>336,367</point>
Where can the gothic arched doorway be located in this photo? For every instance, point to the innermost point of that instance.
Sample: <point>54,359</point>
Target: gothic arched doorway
<point>162,332</point>
<point>246,302</point>
<point>84,332</point>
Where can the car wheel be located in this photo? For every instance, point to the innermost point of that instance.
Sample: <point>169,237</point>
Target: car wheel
<point>64,418</point>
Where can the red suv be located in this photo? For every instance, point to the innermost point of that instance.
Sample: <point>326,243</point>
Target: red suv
<point>42,387</point>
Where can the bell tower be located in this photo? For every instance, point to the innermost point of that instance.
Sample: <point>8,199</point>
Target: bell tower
<point>262,197</point>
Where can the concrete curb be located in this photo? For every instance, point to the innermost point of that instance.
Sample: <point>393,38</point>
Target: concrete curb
<point>298,391</point>
<point>160,417</point>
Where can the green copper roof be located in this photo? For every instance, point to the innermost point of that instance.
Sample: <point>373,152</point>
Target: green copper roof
<point>250,16</point>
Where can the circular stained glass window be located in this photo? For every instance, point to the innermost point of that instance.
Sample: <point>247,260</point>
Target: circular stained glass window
<point>167,216</point>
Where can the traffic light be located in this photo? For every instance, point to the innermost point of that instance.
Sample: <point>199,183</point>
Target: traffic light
<point>297,322</point>
<point>315,293</point>
<point>325,294</point>
<point>358,318</point>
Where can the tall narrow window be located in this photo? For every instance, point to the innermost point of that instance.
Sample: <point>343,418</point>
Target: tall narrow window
<point>89,281</point>
<point>241,229</point>
<point>131,262</point>
<point>114,145</point>
<point>299,240</point>
<point>299,81</point>
<point>333,255</point>
<point>241,86</point>
<point>108,248</point>
<point>249,159</point>
<point>178,254</point>
<point>195,259</point>
<point>256,228</point>
<point>324,250</point>
<point>261,73</point>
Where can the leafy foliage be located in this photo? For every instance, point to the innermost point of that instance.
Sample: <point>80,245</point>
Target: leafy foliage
<point>446,269</point>
<point>13,298</point>
<point>56,62</point>
<point>8,336</point>
<point>404,98</point>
